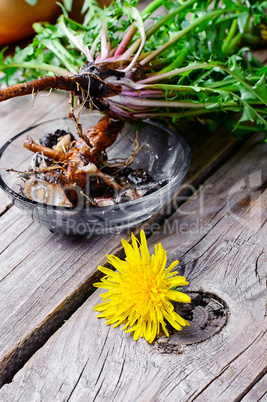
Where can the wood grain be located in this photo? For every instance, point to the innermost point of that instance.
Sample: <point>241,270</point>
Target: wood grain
<point>257,392</point>
<point>20,113</point>
<point>219,235</point>
<point>44,277</point>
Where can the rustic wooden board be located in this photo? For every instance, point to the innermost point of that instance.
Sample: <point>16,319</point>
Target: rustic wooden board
<point>219,235</point>
<point>258,391</point>
<point>45,277</point>
<point>20,113</point>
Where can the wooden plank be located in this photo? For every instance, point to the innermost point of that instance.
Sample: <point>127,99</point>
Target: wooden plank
<point>5,203</point>
<point>43,280</point>
<point>19,113</point>
<point>224,254</point>
<point>44,273</point>
<point>258,392</point>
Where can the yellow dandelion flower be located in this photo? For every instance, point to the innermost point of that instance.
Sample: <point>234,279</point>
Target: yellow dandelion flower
<point>140,291</point>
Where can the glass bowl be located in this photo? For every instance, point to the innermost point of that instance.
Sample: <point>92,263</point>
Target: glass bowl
<point>164,155</point>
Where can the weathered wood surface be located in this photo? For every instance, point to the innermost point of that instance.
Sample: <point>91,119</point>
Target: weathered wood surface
<point>219,235</point>
<point>45,277</point>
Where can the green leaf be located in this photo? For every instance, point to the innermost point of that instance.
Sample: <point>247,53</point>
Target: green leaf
<point>246,94</point>
<point>260,88</point>
<point>250,114</point>
<point>68,4</point>
<point>242,21</point>
<point>222,83</point>
<point>235,69</point>
<point>229,3</point>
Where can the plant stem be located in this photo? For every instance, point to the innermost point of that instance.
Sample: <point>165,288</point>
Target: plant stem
<point>151,7</point>
<point>231,34</point>
<point>243,82</point>
<point>140,26</point>
<point>176,63</point>
<point>178,115</point>
<point>143,102</point>
<point>125,41</point>
<point>155,27</point>
<point>180,34</point>
<point>35,65</point>
<point>167,17</point>
<point>173,73</point>
<point>234,42</point>
<point>74,39</point>
<point>58,49</point>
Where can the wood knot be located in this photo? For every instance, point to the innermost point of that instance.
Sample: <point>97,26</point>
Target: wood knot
<point>207,315</point>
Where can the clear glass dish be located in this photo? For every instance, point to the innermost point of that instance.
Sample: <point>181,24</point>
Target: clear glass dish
<point>164,155</point>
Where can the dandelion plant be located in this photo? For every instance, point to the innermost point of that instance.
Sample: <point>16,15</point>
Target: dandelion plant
<point>174,60</point>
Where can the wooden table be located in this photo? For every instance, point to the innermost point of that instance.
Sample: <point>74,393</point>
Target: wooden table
<point>52,345</point>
